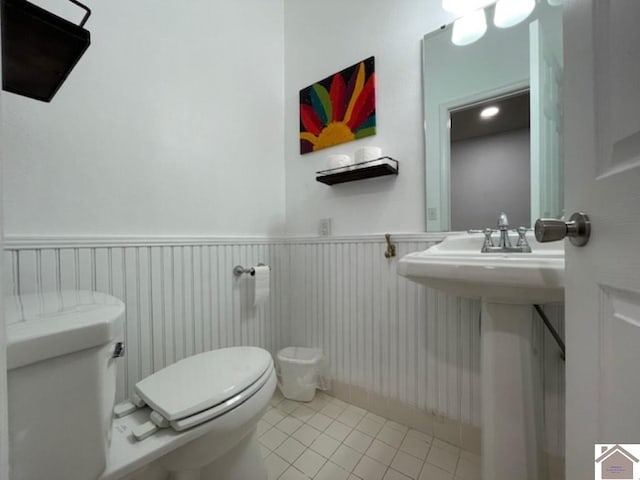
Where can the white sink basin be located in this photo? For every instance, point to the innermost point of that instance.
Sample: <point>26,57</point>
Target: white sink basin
<point>457,267</point>
<point>507,284</point>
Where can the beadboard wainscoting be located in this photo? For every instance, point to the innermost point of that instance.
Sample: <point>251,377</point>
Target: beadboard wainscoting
<point>389,342</point>
<point>382,333</point>
<point>392,343</point>
<point>181,295</point>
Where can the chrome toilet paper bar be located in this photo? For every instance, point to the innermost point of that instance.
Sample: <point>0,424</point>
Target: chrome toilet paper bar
<point>239,270</point>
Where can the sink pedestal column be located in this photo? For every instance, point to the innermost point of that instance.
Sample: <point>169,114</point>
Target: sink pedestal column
<point>511,407</point>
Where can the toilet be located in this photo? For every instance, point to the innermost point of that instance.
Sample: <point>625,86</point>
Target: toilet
<point>193,420</point>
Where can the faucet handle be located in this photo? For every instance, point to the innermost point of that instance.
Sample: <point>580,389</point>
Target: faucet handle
<point>522,236</point>
<point>488,241</point>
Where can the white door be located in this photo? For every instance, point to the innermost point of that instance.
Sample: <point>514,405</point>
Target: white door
<point>602,139</point>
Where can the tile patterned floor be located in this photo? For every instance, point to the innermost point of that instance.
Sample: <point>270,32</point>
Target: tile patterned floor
<point>328,439</point>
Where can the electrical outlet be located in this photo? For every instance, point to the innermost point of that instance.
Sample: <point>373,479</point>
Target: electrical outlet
<point>324,227</point>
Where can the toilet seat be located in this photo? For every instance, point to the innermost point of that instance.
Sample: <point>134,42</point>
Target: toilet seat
<point>202,387</point>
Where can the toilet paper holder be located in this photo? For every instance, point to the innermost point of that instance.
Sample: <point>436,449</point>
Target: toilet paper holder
<point>239,270</point>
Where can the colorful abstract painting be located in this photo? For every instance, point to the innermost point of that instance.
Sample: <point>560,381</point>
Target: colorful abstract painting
<point>339,109</point>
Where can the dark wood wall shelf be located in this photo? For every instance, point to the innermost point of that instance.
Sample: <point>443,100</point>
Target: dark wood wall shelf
<point>359,171</point>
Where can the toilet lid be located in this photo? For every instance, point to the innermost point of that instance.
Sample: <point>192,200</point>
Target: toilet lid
<point>201,381</point>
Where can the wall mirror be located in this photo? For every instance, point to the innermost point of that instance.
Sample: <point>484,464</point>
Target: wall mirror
<point>478,166</point>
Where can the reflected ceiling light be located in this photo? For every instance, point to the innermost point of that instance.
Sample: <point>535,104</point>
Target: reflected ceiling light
<point>469,28</point>
<point>511,12</point>
<point>489,112</point>
<point>462,7</point>
<point>555,3</point>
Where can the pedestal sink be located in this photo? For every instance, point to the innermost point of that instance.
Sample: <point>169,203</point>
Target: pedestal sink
<point>507,284</point>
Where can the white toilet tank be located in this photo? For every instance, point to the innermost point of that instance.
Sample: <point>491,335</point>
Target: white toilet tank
<point>61,383</point>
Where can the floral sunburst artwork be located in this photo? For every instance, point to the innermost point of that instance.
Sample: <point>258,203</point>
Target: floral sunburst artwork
<point>339,109</point>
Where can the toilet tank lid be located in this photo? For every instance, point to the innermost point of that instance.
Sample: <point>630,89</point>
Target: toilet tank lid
<point>47,325</point>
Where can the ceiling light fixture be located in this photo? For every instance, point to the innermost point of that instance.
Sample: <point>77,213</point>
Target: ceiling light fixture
<point>511,12</point>
<point>469,28</point>
<point>489,112</point>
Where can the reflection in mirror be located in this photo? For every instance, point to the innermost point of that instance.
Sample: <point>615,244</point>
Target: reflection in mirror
<point>490,162</point>
<point>457,79</point>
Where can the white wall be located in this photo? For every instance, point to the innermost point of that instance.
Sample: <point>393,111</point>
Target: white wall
<point>171,123</point>
<point>323,38</point>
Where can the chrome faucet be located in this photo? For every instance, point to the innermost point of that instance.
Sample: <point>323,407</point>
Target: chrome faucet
<point>503,228</point>
<point>504,243</point>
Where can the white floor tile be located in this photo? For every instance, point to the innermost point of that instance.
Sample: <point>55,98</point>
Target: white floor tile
<point>394,475</point>
<point>444,459</point>
<point>415,446</point>
<point>318,402</point>
<point>275,466</point>
<point>422,436</point>
<point>288,425</point>
<point>309,462</point>
<point>290,450</point>
<point>339,403</point>
<point>306,434</point>
<point>264,451</point>
<point>272,438</point>
<point>293,473</point>
<point>273,416</point>
<point>349,418</point>
<point>346,457</point>
<point>358,441</point>
<point>338,430</point>
<point>303,413</point>
<point>332,410</point>
<point>357,410</point>
<point>368,426</point>
<point>369,469</point>
<point>320,421</point>
<point>390,436</point>
<point>431,472</point>
<point>375,418</point>
<point>381,452</point>
<point>262,427</point>
<point>446,446</point>
<point>297,438</point>
<point>331,471</point>
<point>320,395</point>
<point>288,406</point>
<point>407,464</point>
<point>325,445</point>
<point>397,426</point>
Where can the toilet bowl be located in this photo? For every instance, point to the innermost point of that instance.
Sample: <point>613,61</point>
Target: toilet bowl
<point>195,419</point>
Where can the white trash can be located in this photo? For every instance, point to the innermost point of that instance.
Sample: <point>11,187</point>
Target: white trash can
<point>300,372</point>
